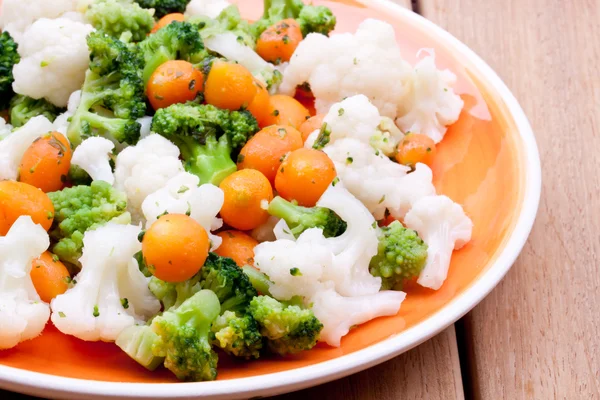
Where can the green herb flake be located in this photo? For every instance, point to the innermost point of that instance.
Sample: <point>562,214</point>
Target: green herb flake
<point>96,313</point>
<point>55,258</point>
<point>349,160</point>
<point>341,112</point>
<point>44,63</point>
<point>61,314</point>
<point>183,189</point>
<point>295,272</point>
<point>141,236</point>
<point>335,181</point>
<point>125,303</point>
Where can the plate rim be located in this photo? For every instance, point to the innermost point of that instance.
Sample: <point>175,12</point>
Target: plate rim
<point>40,384</point>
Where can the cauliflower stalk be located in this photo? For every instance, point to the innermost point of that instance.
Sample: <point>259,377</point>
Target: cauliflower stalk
<point>93,155</point>
<point>228,45</point>
<point>5,129</point>
<point>54,58</point>
<point>143,169</point>
<point>342,66</point>
<point>15,144</point>
<point>444,226</point>
<point>111,293</point>
<point>22,313</point>
<point>182,195</point>
<point>61,123</point>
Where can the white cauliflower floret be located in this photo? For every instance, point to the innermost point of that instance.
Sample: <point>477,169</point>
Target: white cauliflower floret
<point>54,58</point>
<point>61,123</point>
<point>208,8</point>
<point>145,168</point>
<point>342,66</point>
<point>443,225</point>
<point>296,268</point>
<point>22,313</point>
<point>353,249</point>
<point>14,145</point>
<point>355,117</point>
<point>5,129</point>
<point>331,274</point>
<point>93,155</point>
<point>338,314</point>
<point>182,195</point>
<point>111,293</point>
<point>17,15</point>
<point>431,105</point>
<point>376,181</point>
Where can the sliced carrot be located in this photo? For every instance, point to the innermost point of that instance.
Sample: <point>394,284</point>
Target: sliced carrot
<point>237,246</point>
<point>166,20</point>
<point>229,86</point>
<point>18,198</point>
<point>45,164</point>
<point>175,81</point>
<point>310,125</point>
<point>175,247</point>
<point>50,277</point>
<point>416,148</point>
<point>304,176</point>
<point>246,194</point>
<point>268,148</point>
<point>285,110</point>
<point>260,105</point>
<point>278,42</point>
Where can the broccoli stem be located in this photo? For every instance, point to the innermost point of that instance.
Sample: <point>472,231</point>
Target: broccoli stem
<point>259,281</point>
<point>210,160</point>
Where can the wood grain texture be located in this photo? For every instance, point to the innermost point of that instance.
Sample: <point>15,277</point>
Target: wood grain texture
<point>536,335</point>
<point>430,371</point>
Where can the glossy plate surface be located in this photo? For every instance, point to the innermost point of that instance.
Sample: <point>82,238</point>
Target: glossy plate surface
<point>488,162</point>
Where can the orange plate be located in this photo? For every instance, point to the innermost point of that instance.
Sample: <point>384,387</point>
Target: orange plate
<point>479,165</point>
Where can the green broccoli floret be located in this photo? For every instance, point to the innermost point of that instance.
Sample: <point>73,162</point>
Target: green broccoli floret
<point>289,328</point>
<point>229,20</point>
<point>23,108</point>
<point>184,337</point>
<point>237,335</point>
<point>228,281</point>
<point>219,274</point>
<point>112,95</point>
<point>173,294</point>
<point>117,16</point>
<point>311,18</point>
<point>82,208</point>
<point>207,137</point>
<point>300,218</point>
<point>138,342</point>
<point>8,58</point>
<point>401,255</point>
<point>176,41</point>
<point>164,7</point>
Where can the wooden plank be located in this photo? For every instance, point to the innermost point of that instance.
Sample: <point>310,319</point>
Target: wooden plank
<point>430,371</point>
<point>536,335</point>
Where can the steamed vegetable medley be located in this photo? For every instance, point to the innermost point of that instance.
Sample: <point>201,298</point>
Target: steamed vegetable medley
<point>166,184</point>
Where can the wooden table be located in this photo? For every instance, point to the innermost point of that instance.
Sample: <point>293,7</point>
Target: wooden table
<point>536,335</point>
